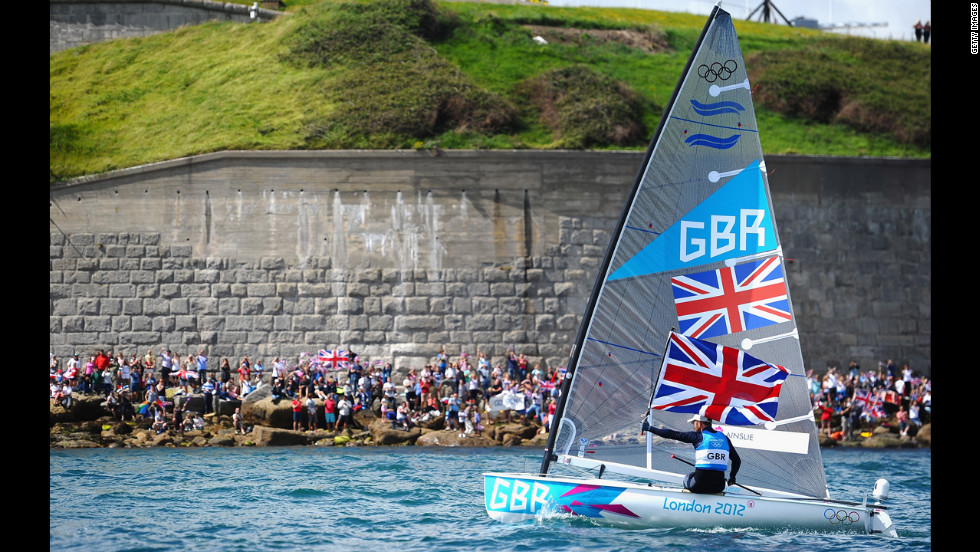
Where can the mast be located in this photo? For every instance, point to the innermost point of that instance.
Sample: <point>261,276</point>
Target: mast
<point>607,260</point>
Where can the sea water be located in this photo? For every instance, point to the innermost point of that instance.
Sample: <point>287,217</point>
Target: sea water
<point>399,499</point>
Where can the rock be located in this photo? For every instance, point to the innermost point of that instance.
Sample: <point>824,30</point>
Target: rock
<point>539,439</point>
<point>85,407</point>
<point>826,441</point>
<point>441,438</point>
<point>122,428</point>
<point>883,430</point>
<point>924,436</point>
<point>885,440</point>
<point>255,396</point>
<point>165,438</point>
<point>383,434</point>
<point>272,426</point>
<point>503,432</point>
<point>266,411</point>
<point>222,441</point>
<point>226,407</point>
<point>273,437</point>
<point>94,427</point>
<point>77,443</point>
<point>191,403</point>
<point>318,435</point>
<point>363,418</point>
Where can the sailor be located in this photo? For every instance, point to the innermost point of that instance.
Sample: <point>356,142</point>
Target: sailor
<point>712,451</point>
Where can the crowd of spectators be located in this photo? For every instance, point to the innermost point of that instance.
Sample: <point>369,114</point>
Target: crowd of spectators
<point>467,391</point>
<point>863,398</point>
<point>460,388</point>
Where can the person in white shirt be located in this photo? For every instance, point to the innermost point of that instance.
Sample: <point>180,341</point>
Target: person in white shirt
<point>278,369</point>
<point>124,373</point>
<point>166,365</point>
<point>66,395</point>
<point>389,391</point>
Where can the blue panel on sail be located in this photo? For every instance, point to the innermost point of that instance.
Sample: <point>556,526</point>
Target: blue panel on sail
<point>733,222</point>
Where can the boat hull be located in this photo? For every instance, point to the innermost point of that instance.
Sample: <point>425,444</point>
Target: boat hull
<point>514,498</point>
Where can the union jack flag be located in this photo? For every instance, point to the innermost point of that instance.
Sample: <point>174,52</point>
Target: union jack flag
<point>861,397</point>
<point>332,360</point>
<point>719,382</point>
<point>875,409</point>
<point>731,299</point>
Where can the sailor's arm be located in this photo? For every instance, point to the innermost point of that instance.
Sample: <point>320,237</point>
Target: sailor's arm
<point>685,436</point>
<point>736,461</point>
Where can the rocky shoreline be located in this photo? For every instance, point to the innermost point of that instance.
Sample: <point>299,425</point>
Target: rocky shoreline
<point>268,422</point>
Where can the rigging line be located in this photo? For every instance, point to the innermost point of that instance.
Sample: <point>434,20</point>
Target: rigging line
<point>66,237</point>
<point>55,201</point>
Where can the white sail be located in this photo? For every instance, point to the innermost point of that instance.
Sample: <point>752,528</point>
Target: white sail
<point>697,250</point>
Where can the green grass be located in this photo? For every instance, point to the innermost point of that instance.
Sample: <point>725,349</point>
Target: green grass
<point>420,74</point>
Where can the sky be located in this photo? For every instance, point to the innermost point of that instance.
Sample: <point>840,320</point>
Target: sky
<point>898,15</point>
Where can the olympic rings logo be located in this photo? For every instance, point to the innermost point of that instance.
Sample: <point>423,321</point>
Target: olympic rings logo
<point>841,516</point>
<point>717,71</point>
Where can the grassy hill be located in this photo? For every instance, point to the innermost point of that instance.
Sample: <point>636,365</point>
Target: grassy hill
<point>423,74</point>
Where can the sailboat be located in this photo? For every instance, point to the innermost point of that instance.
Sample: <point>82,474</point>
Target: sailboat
<point>693,280</point>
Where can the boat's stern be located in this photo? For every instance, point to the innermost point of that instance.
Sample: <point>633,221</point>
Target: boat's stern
<point>881,523</point>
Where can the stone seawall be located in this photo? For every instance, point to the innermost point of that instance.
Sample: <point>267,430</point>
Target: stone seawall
<point>398,253</point>
<point>78,22</point>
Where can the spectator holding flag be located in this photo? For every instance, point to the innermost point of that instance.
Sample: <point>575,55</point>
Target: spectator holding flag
<point>353,369</point>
